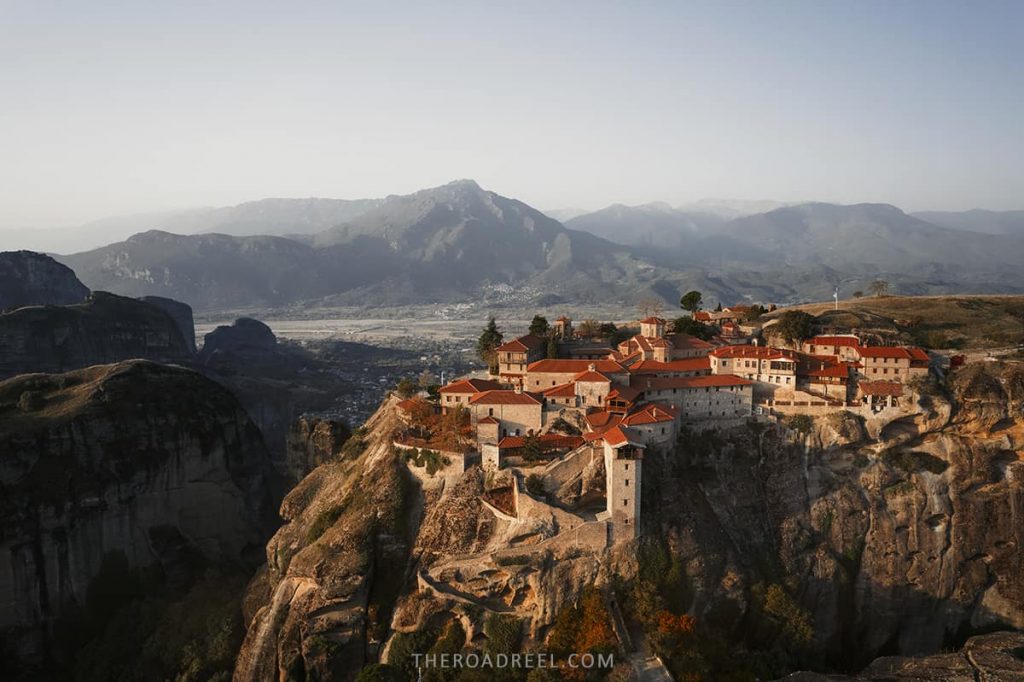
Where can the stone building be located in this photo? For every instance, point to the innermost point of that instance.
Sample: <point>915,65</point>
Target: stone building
<point>517,412</point>
<point>623,465</point>
<point>545,374</point>
<point>771,368</point>
<point>892,363</point>
<point>459,392</point>
<point>562,328</point>
<point>703,398</point>
<point>516,355</point>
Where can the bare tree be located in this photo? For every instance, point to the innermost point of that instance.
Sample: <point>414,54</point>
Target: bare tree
<point>879,287</point>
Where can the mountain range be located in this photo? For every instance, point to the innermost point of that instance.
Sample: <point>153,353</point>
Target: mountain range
<point>459,242</point>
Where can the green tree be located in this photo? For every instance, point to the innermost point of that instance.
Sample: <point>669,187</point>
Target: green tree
<point>552,347</point>
<point>607,331</point>
<point>488,342</point>
<point>879,287</point>
<point>691,301</point>
<point>755,313</point>
<point>794,326</point>
<point>858,294</point>
<point>539,326</point>
<point>688,325</point>
<point>718,308</point>
<point>406,387</point>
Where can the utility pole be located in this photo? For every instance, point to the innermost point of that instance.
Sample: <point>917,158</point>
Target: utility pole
<point>836,297</point>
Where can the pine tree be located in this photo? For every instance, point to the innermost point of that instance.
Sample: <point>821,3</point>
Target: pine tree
<point>489,340</point>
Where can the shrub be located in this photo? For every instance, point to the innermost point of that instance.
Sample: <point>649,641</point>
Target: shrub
<point>323,521</point>
<point>801,423</point>
<point>535,485</point>
<point>797,624</point>
<point>912,462</point>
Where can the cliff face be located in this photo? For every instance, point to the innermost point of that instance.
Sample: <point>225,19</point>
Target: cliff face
<point>104,329</point>
<point>900,535</point>
<point>155,465</point>
<point>334,569</point>
<point>28,278</point>
<point>181,313</point>
<point>898,545</point>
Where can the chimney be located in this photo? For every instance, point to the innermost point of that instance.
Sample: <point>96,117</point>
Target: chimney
<point>592,367</point>
<point>518,388</point>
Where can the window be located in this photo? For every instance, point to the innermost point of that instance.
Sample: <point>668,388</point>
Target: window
<point>627,482</point>
<point>627,466</point>
<point>625,502</point>
<point>490,412</point>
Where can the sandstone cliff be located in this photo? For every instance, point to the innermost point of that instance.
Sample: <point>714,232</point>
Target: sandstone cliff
<point>28,278</point>
<point>155,465</point>
<point>104,329</point>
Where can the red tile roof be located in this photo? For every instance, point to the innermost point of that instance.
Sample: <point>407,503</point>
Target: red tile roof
<point>574,366</point>
<point>522,344</point>
<point>409,404</point>
<point>470,386</point>
<point>627,393</point>
<point>644,382</point>
<point>761,352</point>
<point>488,420</point>
<point>881,388</point>
<point>652,320</point>
<point>851,341</point>
<point>561,391</point>
<point>700,364</point>
<point>702,316</point>
<point>592,377</point>
<point>602,419</point>
<point>547,440</point>
<point>884,352</point>
<point>918,354</point>
<point>650,413</point>
<point>688,342</point>
<point>837,371</point>
<point>504,398</point>
<point>620,435</point>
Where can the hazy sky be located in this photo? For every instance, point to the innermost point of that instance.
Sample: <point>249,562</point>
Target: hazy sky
<point>117,107</point>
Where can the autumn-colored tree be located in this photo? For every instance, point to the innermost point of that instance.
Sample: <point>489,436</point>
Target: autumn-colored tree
<point>451,428</point>
<point>422,415</point>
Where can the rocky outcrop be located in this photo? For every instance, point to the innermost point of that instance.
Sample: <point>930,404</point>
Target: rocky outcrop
<point>246,335</point>
<point>997,657</point>
<point>311,442</point>
<point>899,535</point>
<point>277,383</point>
<point>181,313</point>
<point>153,465</point>
<point>28,278</point>
<point>335,568</point>
<point>905,545</point>
<point>104,329</point>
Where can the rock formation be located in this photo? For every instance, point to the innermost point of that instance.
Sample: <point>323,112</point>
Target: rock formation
<point>311,442</point>
<point>996,657</point>
<point>899,537</point>
<point>334,569</point>
<point>28,278</point>
<point>182,315</point>
<point>246,335</point>
<point>151,464</point>
<point>104,329</point>
<point>277,383</point>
